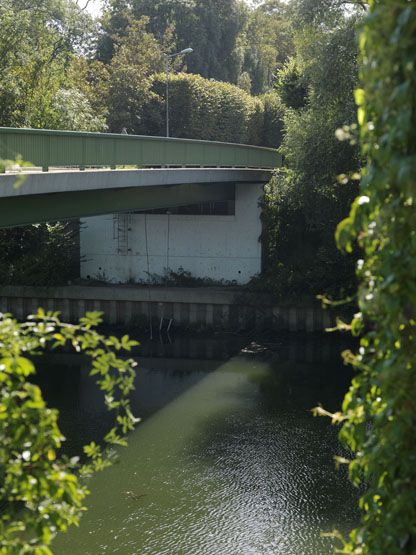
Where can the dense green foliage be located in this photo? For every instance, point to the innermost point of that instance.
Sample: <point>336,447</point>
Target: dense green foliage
<point>37,43</point>
<point>136,58</point>
<point>232,41</point>
<point>272,132</point>
<point>292,86</point>
<point>51,76</point>
<point>211,27</point>
<point>304,202</point>
<point>44,254</point>
<point>211,110</point>
<point>204,109</point>
<point>379,412</point>
<point>41,491</point>
<point>267,43</point>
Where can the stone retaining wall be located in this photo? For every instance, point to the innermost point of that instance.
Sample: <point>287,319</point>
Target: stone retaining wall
<point>208,307</point>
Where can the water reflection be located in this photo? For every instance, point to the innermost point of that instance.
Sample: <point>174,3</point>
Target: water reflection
<point>228,459</point>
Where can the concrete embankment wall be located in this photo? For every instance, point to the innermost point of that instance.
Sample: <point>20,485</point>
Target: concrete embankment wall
<point>207,307</point>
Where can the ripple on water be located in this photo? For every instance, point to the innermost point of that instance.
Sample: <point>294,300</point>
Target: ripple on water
<point>253,478</point>
<point>257,488</point>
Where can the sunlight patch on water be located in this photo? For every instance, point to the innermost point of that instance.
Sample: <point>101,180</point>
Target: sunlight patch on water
<point>229,467</point>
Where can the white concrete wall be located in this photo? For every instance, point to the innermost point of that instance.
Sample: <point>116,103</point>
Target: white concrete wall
<point>217,247</point>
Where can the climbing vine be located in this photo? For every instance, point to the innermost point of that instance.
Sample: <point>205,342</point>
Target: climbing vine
<point>379,411</point>
<point>41,491</point>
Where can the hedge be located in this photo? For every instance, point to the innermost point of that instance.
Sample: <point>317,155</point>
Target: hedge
<point>211,110</point>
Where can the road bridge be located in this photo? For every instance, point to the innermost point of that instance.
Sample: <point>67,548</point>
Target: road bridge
<point>149,205</point>
<point>84,174</point>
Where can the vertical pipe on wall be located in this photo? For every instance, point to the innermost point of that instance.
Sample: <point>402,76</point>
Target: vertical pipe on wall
<point>148,277</point>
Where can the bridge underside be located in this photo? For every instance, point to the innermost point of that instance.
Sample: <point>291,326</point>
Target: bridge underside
<point>61,196</point>
<point>16,211</point>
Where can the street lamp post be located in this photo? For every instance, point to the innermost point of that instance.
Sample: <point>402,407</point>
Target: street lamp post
<point>168,58</point>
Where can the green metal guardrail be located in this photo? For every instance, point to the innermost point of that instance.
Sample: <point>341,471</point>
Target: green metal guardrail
<point>48,148</point>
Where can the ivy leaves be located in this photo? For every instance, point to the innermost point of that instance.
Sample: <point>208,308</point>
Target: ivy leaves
<point>379,411</point>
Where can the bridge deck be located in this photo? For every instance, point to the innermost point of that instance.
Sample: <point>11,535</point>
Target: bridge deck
<point>203,171</point>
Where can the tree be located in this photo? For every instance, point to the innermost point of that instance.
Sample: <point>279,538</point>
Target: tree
<point>232,40</point>
<point>267,43</point>
<point>70,109</point>
<point>91,78</point>
<point>43,492</point>
<point>211,27</point>
<point>114,22</point>
<point>137,56</point>
<point>292,86</point>
<point>273,120</point>
<point>304,201</point>
<point>42,254</point>
<point>37,41</point>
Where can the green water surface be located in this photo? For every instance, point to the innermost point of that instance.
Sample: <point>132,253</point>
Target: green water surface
<point>227,461</point>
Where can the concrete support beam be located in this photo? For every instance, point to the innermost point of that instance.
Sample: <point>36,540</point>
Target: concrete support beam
<point>39,208</point>
<point>60,181</point>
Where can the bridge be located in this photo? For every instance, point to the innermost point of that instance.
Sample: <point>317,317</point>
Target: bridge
<point>85,174</point>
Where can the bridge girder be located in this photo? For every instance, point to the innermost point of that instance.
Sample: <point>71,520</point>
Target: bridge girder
<point>63,195</point>
<point>38,208</point>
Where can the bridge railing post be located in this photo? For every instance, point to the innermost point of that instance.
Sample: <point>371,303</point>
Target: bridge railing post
<point>83,154</point>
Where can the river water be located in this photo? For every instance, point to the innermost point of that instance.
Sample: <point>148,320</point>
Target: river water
<point>228,459</point>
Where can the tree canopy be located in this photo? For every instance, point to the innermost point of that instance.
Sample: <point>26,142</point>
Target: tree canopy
<point>37,42</point>
<point>211,27</point>
<point>232,41</point>
<point>305,201</point>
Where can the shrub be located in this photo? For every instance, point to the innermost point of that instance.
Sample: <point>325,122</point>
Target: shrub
<point>211,110</point>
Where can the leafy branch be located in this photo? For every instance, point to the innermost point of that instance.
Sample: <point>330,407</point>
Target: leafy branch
<point>43,492</point>
<point>379,410</point>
